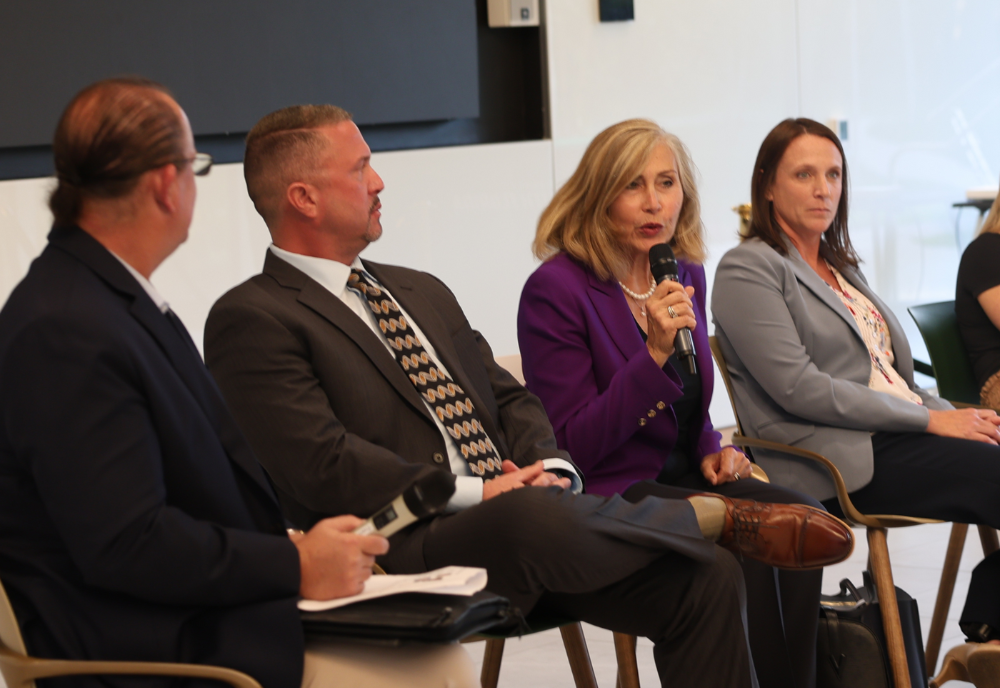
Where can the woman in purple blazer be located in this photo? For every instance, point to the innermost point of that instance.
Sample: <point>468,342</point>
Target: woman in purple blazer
<point>597,343</point>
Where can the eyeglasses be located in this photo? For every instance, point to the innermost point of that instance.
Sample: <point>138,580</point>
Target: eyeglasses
<point>201,163</point>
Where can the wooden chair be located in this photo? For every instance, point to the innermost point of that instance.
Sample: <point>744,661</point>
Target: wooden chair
<point>573,641</point>
<point>19,670</point>
<point>876,526</point>
<point>572,633</point>
<point>975,663</point>
<point>951,368</point>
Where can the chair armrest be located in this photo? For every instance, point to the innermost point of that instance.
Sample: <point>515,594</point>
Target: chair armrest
<point>19,670</point>
<point>760,474</point>
<point>852,514</point>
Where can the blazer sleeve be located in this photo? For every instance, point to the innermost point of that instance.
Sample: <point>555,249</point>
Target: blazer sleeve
<point>752,303</point>
<point>558,359</point>
<point>79,412</point>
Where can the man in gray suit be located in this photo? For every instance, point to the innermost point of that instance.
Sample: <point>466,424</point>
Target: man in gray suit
<point>305,355</point>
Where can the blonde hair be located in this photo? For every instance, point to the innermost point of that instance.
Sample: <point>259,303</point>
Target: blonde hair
<point>992,223</point>
<point>577,220</point>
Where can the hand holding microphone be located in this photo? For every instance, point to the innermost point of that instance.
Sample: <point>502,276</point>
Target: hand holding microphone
<point>336,555</point>
<point>663,266</point>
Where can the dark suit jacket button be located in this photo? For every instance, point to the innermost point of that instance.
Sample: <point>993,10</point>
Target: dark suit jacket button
<point>438,457</point>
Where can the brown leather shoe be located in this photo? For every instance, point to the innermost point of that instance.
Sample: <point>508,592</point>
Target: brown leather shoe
<point>786,536</point>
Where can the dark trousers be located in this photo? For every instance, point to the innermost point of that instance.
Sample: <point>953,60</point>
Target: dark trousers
<point>917,474</point>
<point>782,606</point>
<point>638,568</point>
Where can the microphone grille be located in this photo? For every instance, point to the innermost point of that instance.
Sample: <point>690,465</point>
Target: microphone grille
<point>662,261</point>
<point>430,493</point>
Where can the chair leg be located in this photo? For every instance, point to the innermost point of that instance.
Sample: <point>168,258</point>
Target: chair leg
<point>579,657</point>
<point>628,667</point>
<point>492,657</point>
<point>949,572</point>
<point>882,573</point>
<point>954,667</point>
<point>988,536</point>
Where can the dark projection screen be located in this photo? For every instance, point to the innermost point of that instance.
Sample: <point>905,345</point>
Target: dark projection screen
<point>231,61</point>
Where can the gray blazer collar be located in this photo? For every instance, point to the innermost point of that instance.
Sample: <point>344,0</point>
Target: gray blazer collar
<point>812,281</point>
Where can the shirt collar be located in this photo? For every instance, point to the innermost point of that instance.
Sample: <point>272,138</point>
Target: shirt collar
<point>332,274</point>
<point>147,286</point>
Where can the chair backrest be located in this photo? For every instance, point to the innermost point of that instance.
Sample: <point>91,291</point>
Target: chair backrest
<point>952,368</point>
<point>10,634</point>
<point>720,363</point>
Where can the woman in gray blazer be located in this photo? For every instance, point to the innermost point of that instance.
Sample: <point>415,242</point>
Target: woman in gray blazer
<point>818,361</point>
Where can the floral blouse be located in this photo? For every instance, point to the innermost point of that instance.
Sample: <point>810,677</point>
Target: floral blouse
<point>884,377</point>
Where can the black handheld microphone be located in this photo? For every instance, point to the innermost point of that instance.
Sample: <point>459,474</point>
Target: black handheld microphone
<point>663,266</point>
<point>424,498</point>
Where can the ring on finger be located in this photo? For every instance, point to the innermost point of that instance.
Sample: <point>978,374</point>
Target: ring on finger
<point>736,475</point>
<point>671,312</point>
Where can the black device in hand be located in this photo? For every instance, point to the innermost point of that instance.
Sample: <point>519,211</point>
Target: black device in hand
<point>663,266</point>
<point>426,497</point>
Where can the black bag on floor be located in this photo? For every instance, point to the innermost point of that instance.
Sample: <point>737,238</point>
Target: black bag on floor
<point>412,616</point>
<point>850,644</point>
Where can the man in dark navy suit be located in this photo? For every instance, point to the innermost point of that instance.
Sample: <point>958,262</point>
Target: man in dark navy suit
<point>135,522</point>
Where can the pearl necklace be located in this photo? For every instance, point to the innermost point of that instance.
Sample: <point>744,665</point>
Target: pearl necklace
<point>640,299</point>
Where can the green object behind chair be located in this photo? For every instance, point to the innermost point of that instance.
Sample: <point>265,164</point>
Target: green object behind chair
<point>952,368</point>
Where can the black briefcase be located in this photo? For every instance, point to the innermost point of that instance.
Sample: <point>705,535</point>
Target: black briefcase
<point>850,644</point>
<point>412,616</point>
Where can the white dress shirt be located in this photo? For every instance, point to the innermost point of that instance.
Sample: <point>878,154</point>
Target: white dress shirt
<point>160,302</point>
<point>333,276</point>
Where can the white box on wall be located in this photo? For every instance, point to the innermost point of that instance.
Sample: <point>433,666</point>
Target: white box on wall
<point>513,13</point>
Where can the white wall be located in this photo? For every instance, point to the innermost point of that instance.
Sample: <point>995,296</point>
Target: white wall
<point>916,80</point>
<point>465,213</point>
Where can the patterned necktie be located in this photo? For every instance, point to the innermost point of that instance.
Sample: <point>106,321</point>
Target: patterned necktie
<point>443,397</point>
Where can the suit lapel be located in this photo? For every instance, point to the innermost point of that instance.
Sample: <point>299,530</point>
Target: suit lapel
<point>179,350</point>
<point>613,310</point>
<point>814,283</point>
<point>328,306</point>
<point>436,331</point>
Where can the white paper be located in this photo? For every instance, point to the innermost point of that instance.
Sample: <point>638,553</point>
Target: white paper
<point>450,580</point>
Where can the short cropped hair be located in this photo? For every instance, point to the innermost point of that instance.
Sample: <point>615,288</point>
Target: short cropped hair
<point>835,246</point>
<point>282,148</point>
<point>111,133</point>
<point>578,221</point>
